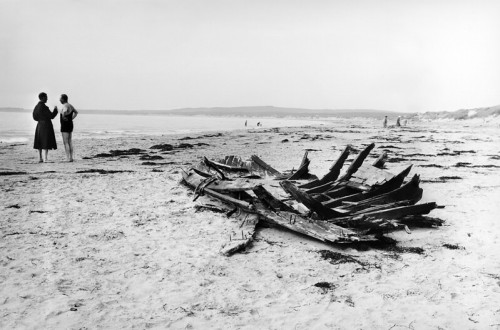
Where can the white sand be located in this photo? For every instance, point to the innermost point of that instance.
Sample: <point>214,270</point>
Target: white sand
<point>129,250</point>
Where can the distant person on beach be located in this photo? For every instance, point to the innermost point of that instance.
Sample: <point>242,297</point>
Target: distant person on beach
<point>245,123</point>
<point>398,122</point>
<point>45,138</point>
<point>385,122</point>
<point>68,113</point>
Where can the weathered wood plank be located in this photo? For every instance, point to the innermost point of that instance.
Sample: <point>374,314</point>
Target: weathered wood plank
<point>358,186</point>
<point>263,165</point>
<point>340,190</point>
<point>197,181</point>
<point>392,213</point>
<point>380,207</point>
<point>320,188</point>
<point>380,162</point>
<point>369,175</point>
<point>357,162</point>
<point>225,167</point>
<point>312,204</point>
<point>248,223</point>
<point>268,199</point>
<point>303,168</point>
<point>409,191</point>
<point>388,186</point>
<point>319,230</point>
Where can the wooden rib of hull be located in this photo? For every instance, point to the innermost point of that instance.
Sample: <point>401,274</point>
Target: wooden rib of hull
<point>357,162</point>
<point>379,207</point>
<point>380,162</point>
<point>409,191</point>
<point>312,204</point>
<point>319,189</point>
<point>340,191</point>
<point>332,174</point>
<point>303,169</point>
<point>264,166</point>
<point>388,186</point>
<point>392,213</point>
<point>344,180</point>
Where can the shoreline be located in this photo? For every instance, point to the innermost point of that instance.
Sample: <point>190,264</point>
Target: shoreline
<point>23,127</point>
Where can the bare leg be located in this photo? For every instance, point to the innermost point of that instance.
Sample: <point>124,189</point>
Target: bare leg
<point>65,136</point>
<point>40,153</point>
<point>70,140</point>
<point>46,154</point>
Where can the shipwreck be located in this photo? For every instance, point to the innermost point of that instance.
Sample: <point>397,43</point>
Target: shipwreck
<point>346,206</point>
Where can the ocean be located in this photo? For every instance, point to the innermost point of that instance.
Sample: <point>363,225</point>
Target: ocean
<point>20,126</point>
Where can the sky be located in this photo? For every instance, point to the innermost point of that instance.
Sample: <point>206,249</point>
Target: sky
<point>398,55</point>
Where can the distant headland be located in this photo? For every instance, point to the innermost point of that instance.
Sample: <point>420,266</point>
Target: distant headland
<point>271,111</point>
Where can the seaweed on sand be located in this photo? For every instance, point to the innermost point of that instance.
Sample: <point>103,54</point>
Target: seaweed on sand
<point>101,171</point>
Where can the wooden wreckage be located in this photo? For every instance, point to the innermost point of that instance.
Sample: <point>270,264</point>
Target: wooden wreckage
<point>358,206</point>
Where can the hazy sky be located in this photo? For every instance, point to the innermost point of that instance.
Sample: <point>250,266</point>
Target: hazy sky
<point>396,55</point>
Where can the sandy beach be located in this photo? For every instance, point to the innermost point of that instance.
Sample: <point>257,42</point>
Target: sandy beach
<point>112,242</point>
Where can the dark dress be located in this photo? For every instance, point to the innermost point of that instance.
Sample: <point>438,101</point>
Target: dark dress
<point>44,133</point>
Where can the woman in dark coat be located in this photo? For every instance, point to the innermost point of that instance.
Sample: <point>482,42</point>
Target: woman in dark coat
<point>44,134</point>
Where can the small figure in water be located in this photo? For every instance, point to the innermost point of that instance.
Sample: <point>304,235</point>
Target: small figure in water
<point>398,122</point>
<point>385,122</point>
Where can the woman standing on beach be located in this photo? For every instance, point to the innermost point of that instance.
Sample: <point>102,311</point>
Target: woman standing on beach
<point>68,113</point>
<point>45,138</point>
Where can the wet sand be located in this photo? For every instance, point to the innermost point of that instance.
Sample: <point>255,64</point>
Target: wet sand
<point>114,241</point>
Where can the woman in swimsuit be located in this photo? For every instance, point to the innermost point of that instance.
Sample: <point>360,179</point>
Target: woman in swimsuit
<point>68,113</point>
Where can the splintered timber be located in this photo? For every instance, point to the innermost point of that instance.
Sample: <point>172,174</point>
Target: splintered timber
<point>361,205</point>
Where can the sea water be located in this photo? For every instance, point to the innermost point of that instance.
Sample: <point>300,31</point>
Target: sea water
<point>20,126</point>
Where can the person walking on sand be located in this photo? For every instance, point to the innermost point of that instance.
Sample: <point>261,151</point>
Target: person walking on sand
<point>398,122</point>
<point>385,122</point>
<point>68,113</point>
<point>45,138</point>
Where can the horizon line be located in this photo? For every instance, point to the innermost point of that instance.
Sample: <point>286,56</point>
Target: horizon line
<point>258,106</point>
